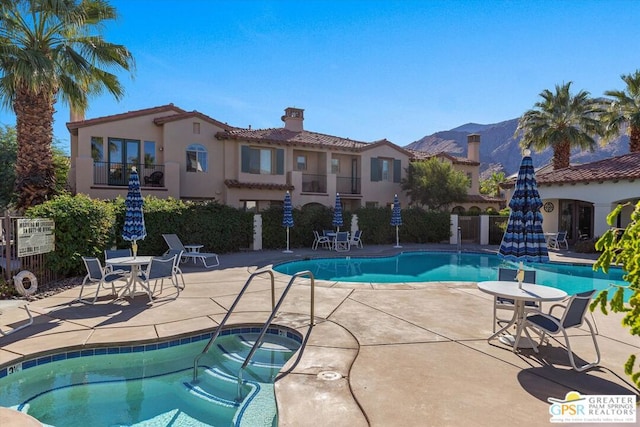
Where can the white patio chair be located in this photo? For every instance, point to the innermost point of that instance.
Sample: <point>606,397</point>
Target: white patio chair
<point>173,241</point>
<point>177,255</point>
<point>356,239</point>
<point>559,240</point>
<point>100,277</point>
<point>11,304</point>
<point>572,317</point>
<point>500,303</point>
<point>160,268</point>
<point>320,240</point>
<point>342,243</point>
<point>117,253</point>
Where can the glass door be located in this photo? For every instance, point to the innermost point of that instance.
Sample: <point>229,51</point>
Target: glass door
<point>123,154</point>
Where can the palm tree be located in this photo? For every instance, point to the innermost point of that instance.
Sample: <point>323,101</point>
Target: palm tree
<point>491,185</point>
<point>625,109</point>
<point>49,52</point>
<point>561,121</point>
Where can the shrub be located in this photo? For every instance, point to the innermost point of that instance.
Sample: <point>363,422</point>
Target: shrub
<point>7,290</point>
<point>83,227</point>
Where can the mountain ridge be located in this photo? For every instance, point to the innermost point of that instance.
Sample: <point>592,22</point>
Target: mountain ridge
<point>501,152</point>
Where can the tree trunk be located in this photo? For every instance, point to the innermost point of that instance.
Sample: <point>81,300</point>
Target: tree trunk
<point>561,155</point>
<point>634,139</point>
<point>35,178</point>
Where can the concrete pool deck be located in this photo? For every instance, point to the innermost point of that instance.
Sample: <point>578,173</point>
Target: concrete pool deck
<point>385,355</point>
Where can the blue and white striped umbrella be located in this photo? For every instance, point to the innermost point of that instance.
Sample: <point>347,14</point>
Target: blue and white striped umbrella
<point>337,213</point>
<point>524,238</point>
<point>396,218</point>
<point>134,228</point>
<point>287,217</point>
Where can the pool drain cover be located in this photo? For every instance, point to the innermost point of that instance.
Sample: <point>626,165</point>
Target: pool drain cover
<point>329,376</point>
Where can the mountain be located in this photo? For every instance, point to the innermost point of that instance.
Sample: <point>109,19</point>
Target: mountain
<point>500,151</point>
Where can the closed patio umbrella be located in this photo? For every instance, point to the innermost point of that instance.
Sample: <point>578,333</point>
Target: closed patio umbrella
<point>396,218</point>
<point>134,229</point>
<point>287,218</point>
<point>524,240</point>
<point>337,213</point>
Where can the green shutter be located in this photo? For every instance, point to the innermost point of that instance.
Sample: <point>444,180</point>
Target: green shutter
<point>280,161</point>
<point>375,169</point>
<point>397,170</point>
<point>245,155</point>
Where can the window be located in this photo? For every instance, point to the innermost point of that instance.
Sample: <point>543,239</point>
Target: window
<point>385,169</point>
<point>149,153</point>
<point>335,166</point>
<point>250,206</point>
<point>371,204</point>
<point>262,161</point>
<point>196,158</point>
<point>469,179</point>
<point>97,148</point>
<point>301,163</point>
<point>196,128</point>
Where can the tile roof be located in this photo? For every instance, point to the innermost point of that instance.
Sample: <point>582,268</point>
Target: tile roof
<point>129,114</point>
<point>191,114</point>
<point>283,136</point>
<point>613,169</point>
<point>483,198</point>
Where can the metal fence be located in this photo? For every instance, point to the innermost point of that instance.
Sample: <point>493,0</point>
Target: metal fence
<point>117,174</point>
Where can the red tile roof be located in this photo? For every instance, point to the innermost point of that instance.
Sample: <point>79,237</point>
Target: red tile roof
<point>191,114</point>
<point>423,155</point>
<point>129,114</point>
<point>613,169</point>
<point>281,136</point>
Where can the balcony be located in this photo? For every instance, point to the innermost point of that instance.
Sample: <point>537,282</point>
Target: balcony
<point>314,183</point>
<point>117,174</point>
<point>347,185</point>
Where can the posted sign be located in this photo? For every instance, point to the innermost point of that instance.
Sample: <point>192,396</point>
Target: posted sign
<point>35,236</point>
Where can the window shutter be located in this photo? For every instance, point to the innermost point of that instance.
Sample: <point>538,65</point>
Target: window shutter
<point>280,161</point>
<point>245,158</point>
<point>397,170</point>
<point>375,169</point>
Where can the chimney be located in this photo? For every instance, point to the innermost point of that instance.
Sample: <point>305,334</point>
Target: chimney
<point>473,147</point>
<point>293,118</point>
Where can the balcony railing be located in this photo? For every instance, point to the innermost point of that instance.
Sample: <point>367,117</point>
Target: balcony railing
<point>314,183</point>
<point>117,174</point>
<point>348,185</point>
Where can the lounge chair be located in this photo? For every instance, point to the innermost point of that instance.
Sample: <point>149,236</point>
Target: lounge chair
<point>173,241</point>
<point>11,304</point>
<point>572,317</point>
<point>500,303</point>
<point>559,240</point>
<point>99,276</point>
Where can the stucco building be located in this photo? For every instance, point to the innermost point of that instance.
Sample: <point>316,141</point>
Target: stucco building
<point>191,156</point>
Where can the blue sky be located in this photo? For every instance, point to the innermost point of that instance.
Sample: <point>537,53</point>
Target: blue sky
<point>364,70</point>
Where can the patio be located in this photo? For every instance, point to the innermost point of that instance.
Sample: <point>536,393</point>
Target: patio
<point>380,355</point>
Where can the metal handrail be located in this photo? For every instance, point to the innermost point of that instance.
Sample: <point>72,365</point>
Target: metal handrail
<point>270,319</point>
<point>233,306</point>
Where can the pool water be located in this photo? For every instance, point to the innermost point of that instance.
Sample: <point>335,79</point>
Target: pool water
<point>154,388</point>
<point>449,267</point>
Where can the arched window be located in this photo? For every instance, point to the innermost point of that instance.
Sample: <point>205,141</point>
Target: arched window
<point>196,158</point>
<point>458,210</point>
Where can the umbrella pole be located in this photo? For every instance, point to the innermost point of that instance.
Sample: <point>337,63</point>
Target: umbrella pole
<point>134,248</point>
<point>397,239</point>
<point>287,251</point>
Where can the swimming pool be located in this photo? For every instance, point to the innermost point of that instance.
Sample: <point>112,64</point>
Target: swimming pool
<point>151,385</point>
<point>411,267</point>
